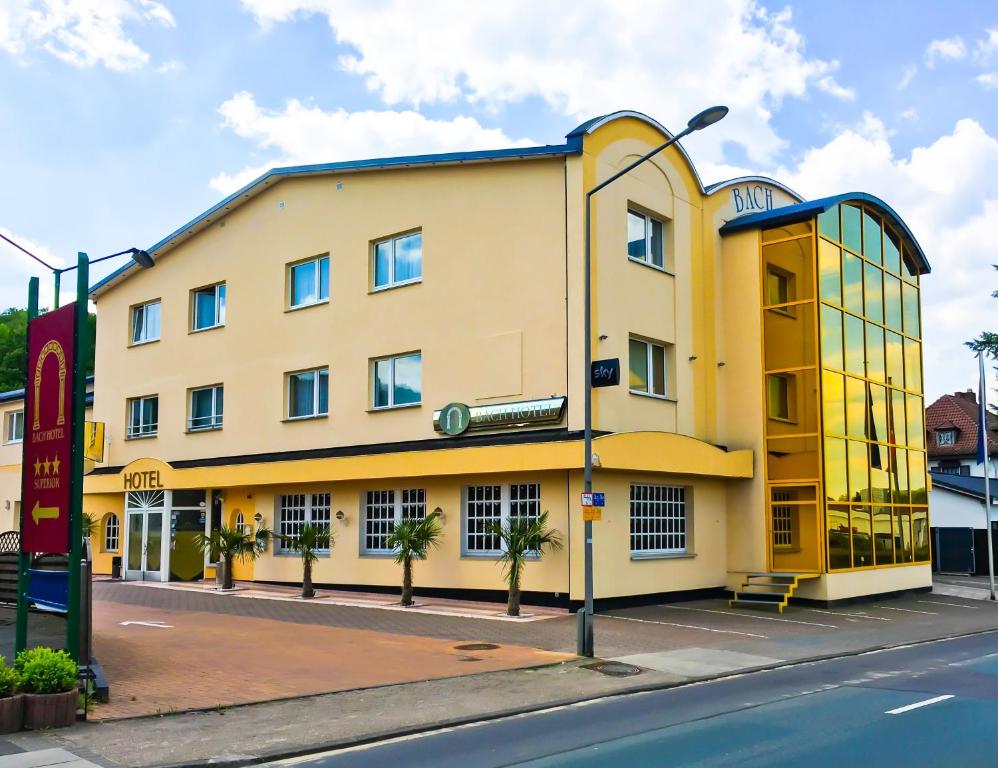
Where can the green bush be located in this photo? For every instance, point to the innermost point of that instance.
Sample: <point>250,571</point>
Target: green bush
<point>43,670</point>
<point>9,679</point>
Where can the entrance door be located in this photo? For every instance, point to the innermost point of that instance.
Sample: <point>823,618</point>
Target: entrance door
<point>144,538</point>
<point>794,529</point>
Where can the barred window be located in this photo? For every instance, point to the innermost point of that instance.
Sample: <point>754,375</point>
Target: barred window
<point>783,533</point>
<point>384,509</point>
<point>496,504</point>
<point>658,518</point>
<point>111,533</point>
<point>298,509</point>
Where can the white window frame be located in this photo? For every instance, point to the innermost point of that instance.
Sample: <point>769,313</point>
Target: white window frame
<point>216,416</point>
<point>152,429</point>
<point>315,414</point>
<point>220,303</point>
<point>144,309</point>
<point>13,419</point>
<point>320,299</point>
<point>316,508</point>
<point>404,504</point>
<point>648,261</point>
<point>671,527</point>
<point>649,346</point>
<point>392,282</point>
<point>393,359</point>
<point>950,437</point>
<point>506,503</point>
<point>112,534</point>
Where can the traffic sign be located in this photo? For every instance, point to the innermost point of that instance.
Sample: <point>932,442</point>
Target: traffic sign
<point>592,513</point>
<point>594,499</point>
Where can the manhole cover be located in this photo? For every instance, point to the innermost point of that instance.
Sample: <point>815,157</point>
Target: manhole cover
<point>613,668</point>
<point>476,647</point>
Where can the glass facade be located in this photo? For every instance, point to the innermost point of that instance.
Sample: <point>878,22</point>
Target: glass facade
<point>855,349</point>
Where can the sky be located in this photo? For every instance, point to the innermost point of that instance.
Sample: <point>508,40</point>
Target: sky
<point>120,120</point>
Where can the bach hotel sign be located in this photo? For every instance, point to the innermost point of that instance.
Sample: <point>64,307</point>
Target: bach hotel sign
<point>751,198</point>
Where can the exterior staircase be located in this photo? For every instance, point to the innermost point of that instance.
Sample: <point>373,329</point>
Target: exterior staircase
<point>768,590</point>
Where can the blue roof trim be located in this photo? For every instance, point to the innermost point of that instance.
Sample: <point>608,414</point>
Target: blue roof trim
<point>13,395</point>
<point>791,214</point>
<point>973,486</point>
<point>572,146</point>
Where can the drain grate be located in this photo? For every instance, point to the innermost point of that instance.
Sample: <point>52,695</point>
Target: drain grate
<point>613,668</point>
<point>476,647</point>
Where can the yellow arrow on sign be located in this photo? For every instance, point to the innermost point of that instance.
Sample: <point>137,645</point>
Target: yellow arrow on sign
<point>39,513</point>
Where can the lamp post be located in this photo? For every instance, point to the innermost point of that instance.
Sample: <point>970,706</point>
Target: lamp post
<point>698,122</point>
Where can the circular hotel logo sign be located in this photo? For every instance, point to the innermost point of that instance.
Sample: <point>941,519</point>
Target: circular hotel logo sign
<point>454,418</point>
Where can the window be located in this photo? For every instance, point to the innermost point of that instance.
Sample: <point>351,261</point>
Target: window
<point>778,393</point>
<point>308,394</point>
<point>383,510</point>
<point>111,533</point>
<point>208,307</point>
<point>143,416</point>
<point>14,429</point>
<point>645,239</point>
<point>647,368</point>
<point>205,408</point>
<point>308,282</point>
<point>297,510</point>
<point>658,519</point>
<point>783,521</point>
<point>946,437</point>
<point>779,286</point>
<point>145,322</point>
<point>487,505</point>
<point>398,381</point>
<point>398,260</point>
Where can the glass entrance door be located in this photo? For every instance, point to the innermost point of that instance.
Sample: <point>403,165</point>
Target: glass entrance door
<point>144,539</point>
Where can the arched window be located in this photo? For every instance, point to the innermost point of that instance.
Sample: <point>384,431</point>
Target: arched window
<point>111,531</point>
<point>240,525</point>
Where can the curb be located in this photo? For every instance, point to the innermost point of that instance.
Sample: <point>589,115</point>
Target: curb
<point>243,760</point>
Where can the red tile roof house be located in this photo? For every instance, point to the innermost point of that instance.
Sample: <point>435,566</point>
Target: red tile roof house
<point>951,425</point>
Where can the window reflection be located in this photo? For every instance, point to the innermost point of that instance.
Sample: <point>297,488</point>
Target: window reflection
<point>902,534</point>
<point>852,282</point>
<point>916,422</point>
<point>851,229</point>
<point>854,346</point>
<point>855,407</point>
<point>831,337</point>
<point>875,367</point>
<point>909,300</point>
<point>883,536</point>
<point>913,365</point>
<point>892,251</point>
<point>839,549</point>
<point>872,248</point>
<point>836,485</point>
<point>789,338</point>
<point>859,481</point>
<point>862,540</point>
<point>833,403</point>
<point>830,269</point>
<point>828,223</point>
<point>892,302</point>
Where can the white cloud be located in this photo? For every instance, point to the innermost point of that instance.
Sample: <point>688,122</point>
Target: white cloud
<point>950,48</point>
<point>909,114</point>
<point>832,88</point>
<point>19,267</point>
<point>987,46</point>
<point>907,76</point>
<point>667,58</point>
<point>989,80</point>
<point>170,67</point>
<point>306,134</point>
<point>82,33</point>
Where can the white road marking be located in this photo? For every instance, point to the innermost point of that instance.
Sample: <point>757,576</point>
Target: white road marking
<point>684,626</point>
<point>907,610</point>
<point>850,615</point>
<point>157,624</point>
<point>954,605</point>
<point>919,704</point>
<point>748,616</point>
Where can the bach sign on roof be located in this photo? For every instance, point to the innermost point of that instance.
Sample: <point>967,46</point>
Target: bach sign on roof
<point>48,427</point>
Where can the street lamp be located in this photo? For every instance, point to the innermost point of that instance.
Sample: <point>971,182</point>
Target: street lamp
<point>698,122</point>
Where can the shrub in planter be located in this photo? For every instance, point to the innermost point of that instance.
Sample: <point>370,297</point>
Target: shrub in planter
<point>11,702</point>
<point>49,679</point>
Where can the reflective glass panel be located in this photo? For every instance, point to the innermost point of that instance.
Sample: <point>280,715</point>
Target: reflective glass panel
<point>382,383</point>
<point>382,263</point>
<point>892,251</point>
<point>830,269</point>
<point>778,396</point>
<point>883,536</point>
<point>854,346</point>
<point>301,394</point>
<point>839,554</point>
<point>899,475</point>
<point>912,365</point>
<point>855,407</point>
<point>920,533</point>
<point>872,245</point>
<point>788,230</point>
<point>916,421</point>
<point>636,235</point>
<point>878,414</point>
<point>324,278</point>
<point>862,540</point>
<point>852,237</point>
<point>303,284</point>
<point>892,302</point>
<point>792,458</point>
<point>898,428</point>
<point>894,349</point>
<point>220,299</point>
<point>658,369</point>
<point>828,223</point>
<point>836,482</point>
<point>135,542</point>
<point>792,259</point>
<point>201,409</point>
<point>657,242</point>
<point>875,352</point>
<point>874,295</point>
<point>859,482</point>
<point>408,379</point>
<point>154,541</point>
<point>789,337</point>
<point>909,294</point>
<point>902,534</point>
<point>408,257</point>
<point>323,394</point>
<point>908,270</point>
<point>204,309</point>
<point>852,282</point>
<point>639,365</point>
<point>831,337</point>
<point>880,489</point>
<point>916,477</point>
<point>833,402</point>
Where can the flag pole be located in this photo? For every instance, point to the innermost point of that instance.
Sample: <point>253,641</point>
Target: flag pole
<point>982,455</point>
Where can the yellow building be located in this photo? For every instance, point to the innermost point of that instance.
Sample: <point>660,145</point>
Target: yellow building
<point>353,343</point>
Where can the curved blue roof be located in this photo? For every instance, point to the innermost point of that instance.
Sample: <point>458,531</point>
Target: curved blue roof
<point>791,214</point>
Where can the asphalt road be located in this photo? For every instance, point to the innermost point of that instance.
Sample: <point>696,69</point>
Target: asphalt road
<point>933,704</point>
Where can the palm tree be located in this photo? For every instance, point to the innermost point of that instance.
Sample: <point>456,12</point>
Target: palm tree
<point>522,536</point>
<point>310,541</point>
<point>412,539</point>
<point>231,543</point>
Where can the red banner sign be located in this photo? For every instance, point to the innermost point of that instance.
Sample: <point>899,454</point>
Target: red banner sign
<point>48,433</point>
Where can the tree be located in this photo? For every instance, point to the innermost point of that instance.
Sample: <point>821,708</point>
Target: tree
<point>231,543</point>
<point>13,330</point>
<point>310,541</point>
<point>520,537</point>
<point>412,539</point>
<point>987,342</point>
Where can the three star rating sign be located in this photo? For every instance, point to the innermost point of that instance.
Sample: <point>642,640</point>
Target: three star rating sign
<point>46,476</point>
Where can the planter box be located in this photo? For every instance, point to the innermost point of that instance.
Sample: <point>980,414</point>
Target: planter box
<point>49,710</point>
<point>11,713</point>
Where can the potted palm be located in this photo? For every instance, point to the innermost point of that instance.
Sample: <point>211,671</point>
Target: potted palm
<point>522,537</point>
<point>11,701</point>
<point>48,679</point>
<point>309,543</point>
<point>231,543</point>
<point>412,539</point>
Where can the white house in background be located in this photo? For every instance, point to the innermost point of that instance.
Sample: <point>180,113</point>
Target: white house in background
<point>959,527</point>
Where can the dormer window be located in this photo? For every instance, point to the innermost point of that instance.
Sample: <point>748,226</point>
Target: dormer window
<point>946,437</point>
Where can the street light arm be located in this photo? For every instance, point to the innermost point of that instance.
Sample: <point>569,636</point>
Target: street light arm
<point>624,171</point>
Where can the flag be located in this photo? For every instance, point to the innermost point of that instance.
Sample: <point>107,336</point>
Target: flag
<point>982,416</point>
